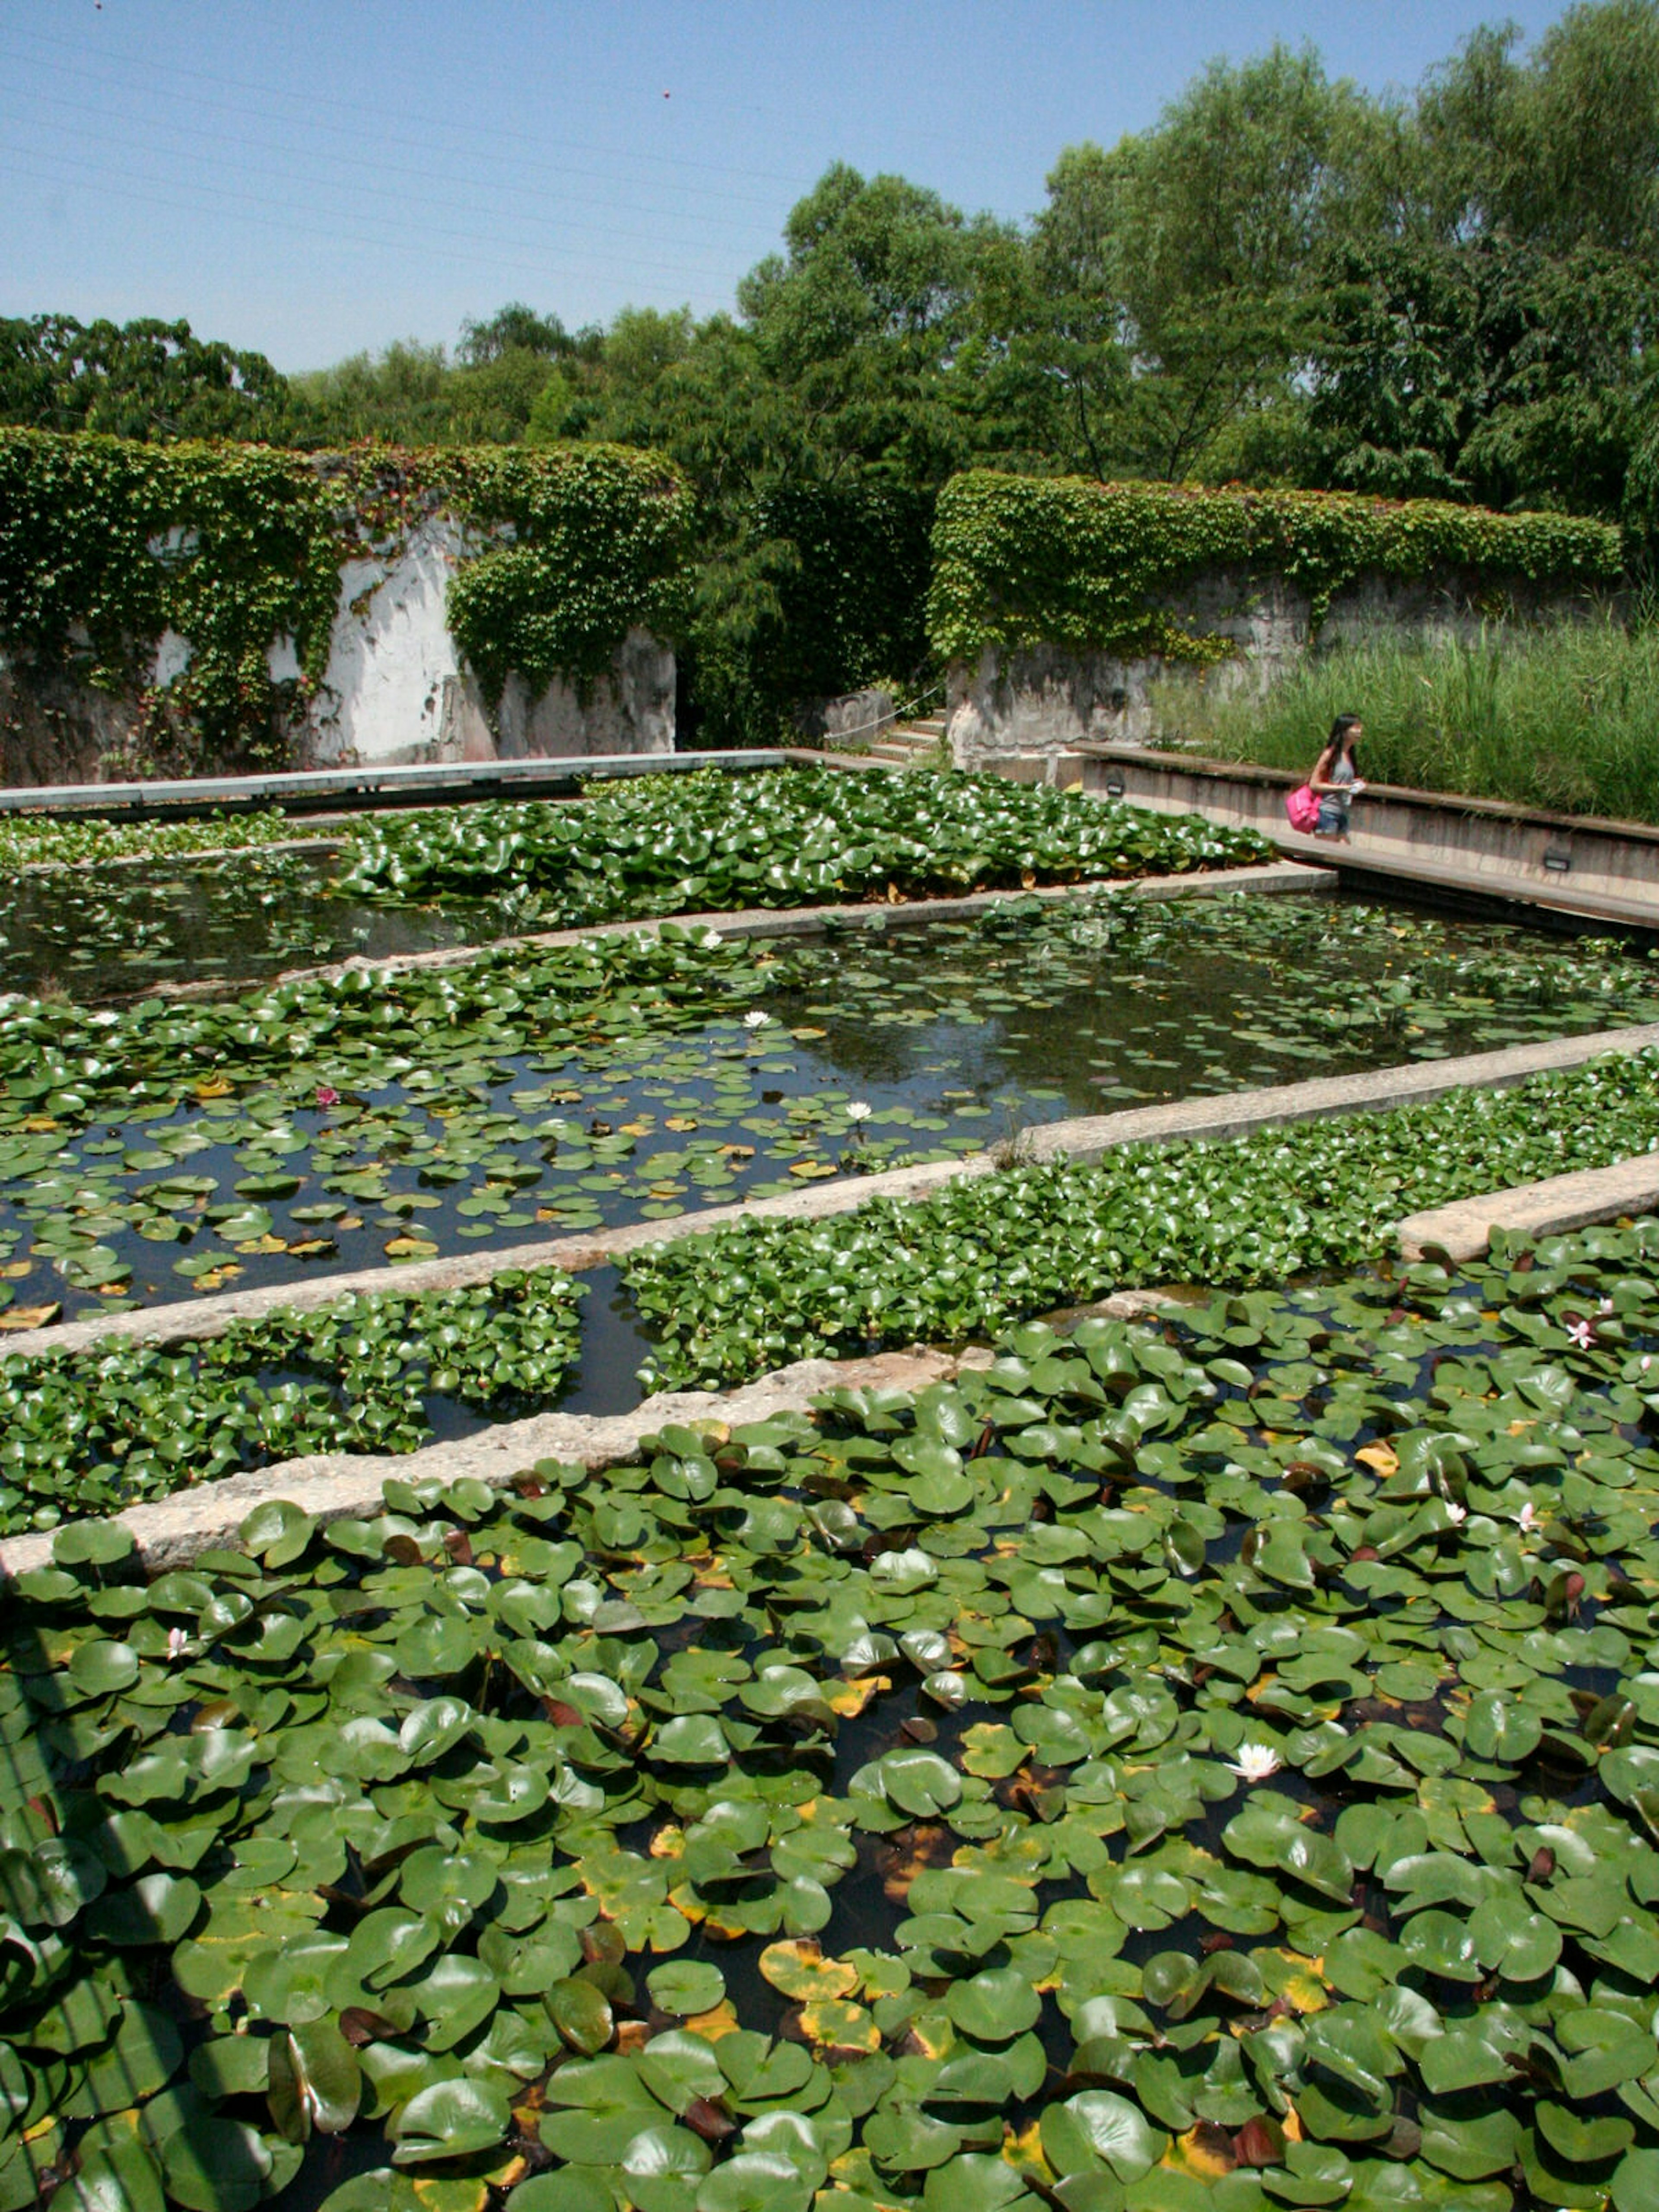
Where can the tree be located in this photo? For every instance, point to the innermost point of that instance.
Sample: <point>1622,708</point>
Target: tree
<point>1217,217</point>
<point>1490,336</point>
<point>514,329</point>
<point>146,379</point>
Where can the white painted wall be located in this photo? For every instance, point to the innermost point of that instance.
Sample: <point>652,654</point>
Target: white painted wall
<point>397,689</point>
<point>391,661</point>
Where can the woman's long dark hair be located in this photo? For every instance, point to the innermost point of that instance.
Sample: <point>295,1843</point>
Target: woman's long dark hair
<point>1334,744</point>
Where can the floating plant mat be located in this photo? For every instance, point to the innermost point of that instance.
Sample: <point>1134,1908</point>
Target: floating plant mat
<point>647,846</point>
<point>35,840</point>
<point>101,933</point>
<point>713,842</point>
<point>95,1432</point>
<point>150,1148</point>
<point>1208,1767</point>
<point>1325,1195</point>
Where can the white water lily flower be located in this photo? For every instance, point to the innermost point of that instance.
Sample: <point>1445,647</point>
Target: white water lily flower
<point>858,1110</point>
<point>1528,1516</point>
<point>755,1019</point>
<point>1582,1333</point>
<point>710,939</point>
<point>1457,1513</point>
<point>178,1645</point>
<point>1254,1763</point>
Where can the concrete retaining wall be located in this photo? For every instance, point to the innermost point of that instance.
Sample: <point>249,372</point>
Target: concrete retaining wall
<point>1047,699</point>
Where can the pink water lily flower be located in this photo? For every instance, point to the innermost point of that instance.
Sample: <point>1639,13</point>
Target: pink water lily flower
<point>178,1645</point>
<point>327,1095</point>
<point>1582,1333</point>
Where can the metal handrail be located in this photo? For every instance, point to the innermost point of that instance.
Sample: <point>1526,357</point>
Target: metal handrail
<point>899,715</point>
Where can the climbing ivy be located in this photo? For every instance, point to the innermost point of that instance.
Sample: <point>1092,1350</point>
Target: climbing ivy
<point>1020,561</point>
<point>598,533</point>
<point>105,544</point>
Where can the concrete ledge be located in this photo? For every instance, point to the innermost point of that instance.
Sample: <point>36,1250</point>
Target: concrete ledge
<point>1085,1140</point>
<point>1447,843</point>
<point>1552,1208</point>
<point>171,1531</point>
<point>1280,876</point>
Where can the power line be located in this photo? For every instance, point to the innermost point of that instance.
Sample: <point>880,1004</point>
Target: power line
<point>284,177</point>
<point>263,113</point>
<point>311,99</point>
<point>144,190</point>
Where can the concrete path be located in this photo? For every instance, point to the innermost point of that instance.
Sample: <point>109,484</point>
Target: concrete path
<point>1373,869</point>
<point>170,1531</point>
<point>394,784</point>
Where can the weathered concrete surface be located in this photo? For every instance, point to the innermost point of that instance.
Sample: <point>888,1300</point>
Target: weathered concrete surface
<point>1275,877</point>
<point>1552,1208</point>
<point>170,1530</point>
<point>1086,1139</point>
<point>1579,863</point>
<point>396,689</point>
<point>629,710</point>
<point>856,717</point>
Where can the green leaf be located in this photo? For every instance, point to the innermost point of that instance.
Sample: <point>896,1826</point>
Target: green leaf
<point>1099,2128</point>
<point>450,2119</point>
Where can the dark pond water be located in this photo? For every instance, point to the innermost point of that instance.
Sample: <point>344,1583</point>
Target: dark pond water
<point>109,933</point>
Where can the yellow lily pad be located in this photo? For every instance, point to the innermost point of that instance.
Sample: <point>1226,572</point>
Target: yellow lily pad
<point>836,2024</point>
<point>799,1968</point>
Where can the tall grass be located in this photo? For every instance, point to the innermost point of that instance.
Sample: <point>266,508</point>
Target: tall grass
<point>1566,719</point>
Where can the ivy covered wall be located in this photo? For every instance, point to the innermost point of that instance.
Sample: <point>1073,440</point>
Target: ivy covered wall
<point>179,608</point>
<point>1055,601</point>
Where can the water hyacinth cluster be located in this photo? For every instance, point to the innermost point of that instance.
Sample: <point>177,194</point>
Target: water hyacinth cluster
<point>981,1253</point>
<point>791,836</point>
<point>95,1432</point>
<point>1207,1765</point>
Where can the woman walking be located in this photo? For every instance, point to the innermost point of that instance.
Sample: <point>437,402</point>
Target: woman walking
<point>1336,778</point>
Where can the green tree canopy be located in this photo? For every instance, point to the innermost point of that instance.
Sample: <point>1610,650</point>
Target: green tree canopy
<point>140,379</point>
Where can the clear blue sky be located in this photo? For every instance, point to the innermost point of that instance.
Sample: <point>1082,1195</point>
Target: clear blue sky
<point>311,176</point>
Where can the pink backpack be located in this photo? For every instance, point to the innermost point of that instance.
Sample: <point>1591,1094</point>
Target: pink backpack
<point>1302,807</point>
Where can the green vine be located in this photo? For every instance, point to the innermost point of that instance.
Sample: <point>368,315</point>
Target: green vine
<point>1024,561</point>
<point>107,543</point>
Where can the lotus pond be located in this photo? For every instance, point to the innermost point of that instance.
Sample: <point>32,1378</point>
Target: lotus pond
<point>88,1432</point>
<point>693,1102</point>
<point>341,1123</point>
<point>108,933</point>
<point>643,847</point>
<point>1213,1764</point>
